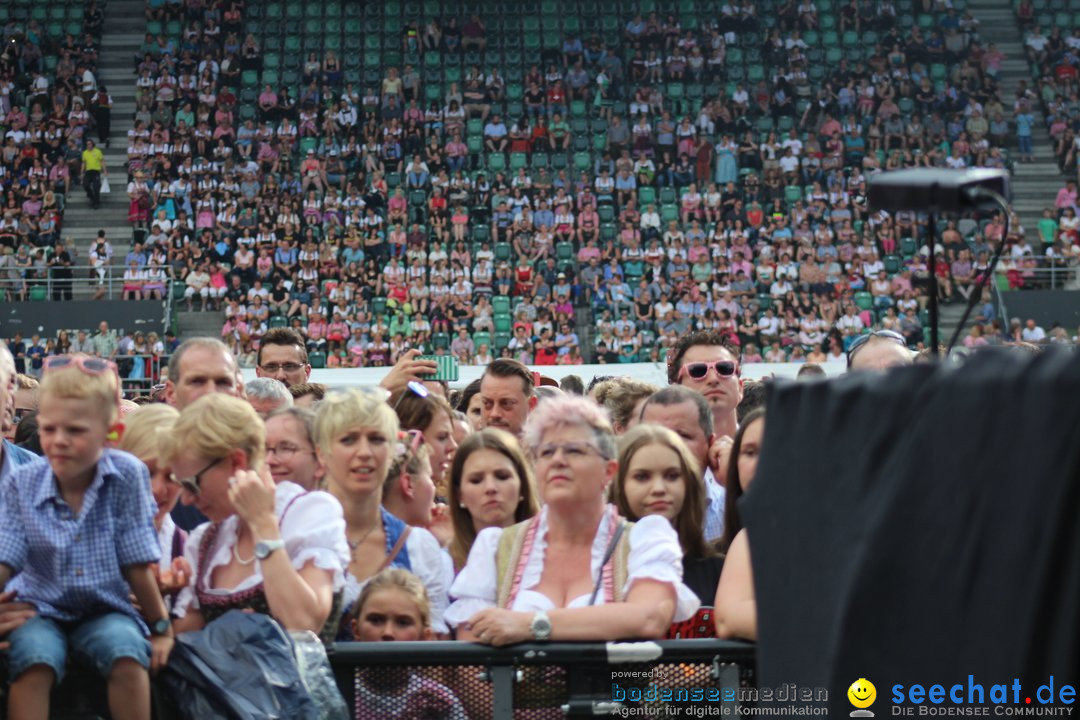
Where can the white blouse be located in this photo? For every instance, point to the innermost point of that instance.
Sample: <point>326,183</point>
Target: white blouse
<point>654,554</point>
<point>426,561</point>
<point>313,531</point>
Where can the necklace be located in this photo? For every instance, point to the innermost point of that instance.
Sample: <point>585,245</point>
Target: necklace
<point>239,559</point>
<point>353,545</point>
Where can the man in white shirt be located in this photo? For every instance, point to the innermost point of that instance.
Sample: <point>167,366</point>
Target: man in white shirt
<point>1032,333</point>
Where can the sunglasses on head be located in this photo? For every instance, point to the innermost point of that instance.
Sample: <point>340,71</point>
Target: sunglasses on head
<point>858,342</point>
<point>698,370</point>
<point>87,364</point>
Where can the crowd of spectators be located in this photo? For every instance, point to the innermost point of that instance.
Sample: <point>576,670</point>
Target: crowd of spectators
<point>52,109</point>
<point>1052,46</point>
<point>651,181</point>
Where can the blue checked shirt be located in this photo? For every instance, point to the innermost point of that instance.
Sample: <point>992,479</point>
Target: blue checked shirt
<point>69,566</point>
<point>715,497</point>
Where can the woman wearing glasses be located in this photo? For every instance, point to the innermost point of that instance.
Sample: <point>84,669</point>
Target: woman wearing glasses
<point>273,549</point>
<point>355,437</point>
<point>290,451</point>
<point>545,578</point>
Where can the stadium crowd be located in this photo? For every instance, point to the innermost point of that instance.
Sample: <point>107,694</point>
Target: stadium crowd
<point>53,115</point>
<point>660,179</point>
<point>698,194</point>
<point>329,490</point>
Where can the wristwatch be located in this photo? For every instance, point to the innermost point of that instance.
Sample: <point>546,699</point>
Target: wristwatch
<point>263,548</point>
<point>540,627</point>
<point>161,627</point>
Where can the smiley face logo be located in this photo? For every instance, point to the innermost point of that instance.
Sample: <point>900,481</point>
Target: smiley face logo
<point>862,694</point>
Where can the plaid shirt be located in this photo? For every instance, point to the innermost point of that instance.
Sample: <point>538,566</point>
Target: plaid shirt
<point>105,344</point>
<point>70,566</point>
<point>715,498</point>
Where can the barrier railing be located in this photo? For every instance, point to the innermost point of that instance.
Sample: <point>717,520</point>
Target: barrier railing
<point>1047,275</point>
<point>139,373</point>
<point>100,283</point>
<point>551,680</point>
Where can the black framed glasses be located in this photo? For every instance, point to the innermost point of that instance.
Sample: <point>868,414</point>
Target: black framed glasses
<point>193,484</point>
<point>860,341</point>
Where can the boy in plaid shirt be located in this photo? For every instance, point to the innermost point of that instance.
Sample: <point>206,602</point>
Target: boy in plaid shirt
<point>76,537</point>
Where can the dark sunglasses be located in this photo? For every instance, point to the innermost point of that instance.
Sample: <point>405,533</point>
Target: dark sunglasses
<point>193,484</point>
<point>863,339</point>
<point>698,370</point>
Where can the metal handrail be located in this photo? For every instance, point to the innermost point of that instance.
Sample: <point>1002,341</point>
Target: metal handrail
<point>1050,276</point>
<point>90,278</point>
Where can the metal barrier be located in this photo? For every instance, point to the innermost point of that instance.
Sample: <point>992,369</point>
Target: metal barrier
<point>551,680</point>
<point>104,283</point>
<point>139,373</point>
<point>1046,275</point>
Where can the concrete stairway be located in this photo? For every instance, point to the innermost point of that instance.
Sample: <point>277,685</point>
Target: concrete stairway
<point>124,29</point>
<point>1034,184</point>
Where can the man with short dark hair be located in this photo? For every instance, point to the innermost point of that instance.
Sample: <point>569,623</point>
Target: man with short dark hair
<point>283,357</point>
<point>507,391</point>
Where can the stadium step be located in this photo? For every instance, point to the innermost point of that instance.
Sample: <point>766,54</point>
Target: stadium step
<point>124,30</point>
<point>1035,184</point>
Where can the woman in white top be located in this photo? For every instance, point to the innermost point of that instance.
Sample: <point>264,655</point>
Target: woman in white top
<point>146,431</point>
<point>355,438</point>
<point>576,555</point>
<point>278,549</point>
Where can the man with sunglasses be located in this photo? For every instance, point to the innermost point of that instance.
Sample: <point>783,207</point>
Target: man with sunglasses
<point>283,357</point>
<point>707,362</point>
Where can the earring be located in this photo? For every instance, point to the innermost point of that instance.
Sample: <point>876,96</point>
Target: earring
<point>461,505</point>
<point>521,499</point>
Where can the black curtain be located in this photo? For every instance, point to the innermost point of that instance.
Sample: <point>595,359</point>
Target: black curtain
<point>920,526</point>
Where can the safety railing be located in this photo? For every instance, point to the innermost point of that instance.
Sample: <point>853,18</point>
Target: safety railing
<point>1044,274</point>
<point>556,680</point>
<point>105,282</point>
<point>139,373</point>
